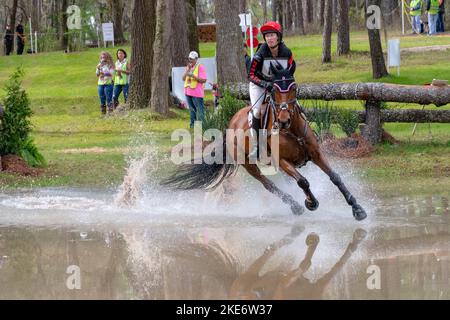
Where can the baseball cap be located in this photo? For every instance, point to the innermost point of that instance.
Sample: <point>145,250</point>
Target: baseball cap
<point>193,55</point>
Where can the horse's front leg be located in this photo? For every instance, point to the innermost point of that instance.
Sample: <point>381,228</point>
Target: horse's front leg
<point>255,172</point>
<point>358,212</point>
<point>311,202</point>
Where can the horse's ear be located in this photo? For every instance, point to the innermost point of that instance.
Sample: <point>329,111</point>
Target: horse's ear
<point>291,72</point>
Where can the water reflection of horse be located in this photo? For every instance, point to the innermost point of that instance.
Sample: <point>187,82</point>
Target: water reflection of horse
<point>216,260</point>
<point>297,146</point>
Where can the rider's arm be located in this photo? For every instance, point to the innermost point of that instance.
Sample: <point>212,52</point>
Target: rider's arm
<point>291,64</point>
<point>254,67</point>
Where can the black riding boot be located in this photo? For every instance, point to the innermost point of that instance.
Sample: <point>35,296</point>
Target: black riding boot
<point>254,151</point>
<point>103,109</point>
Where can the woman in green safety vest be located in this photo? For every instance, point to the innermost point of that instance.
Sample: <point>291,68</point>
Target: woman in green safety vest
<point>416,12</point>
<point>105,74</point>
<point>433,12</point>
<point>121,78</point>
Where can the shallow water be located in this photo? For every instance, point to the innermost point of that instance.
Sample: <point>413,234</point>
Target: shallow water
<point>192,245</point>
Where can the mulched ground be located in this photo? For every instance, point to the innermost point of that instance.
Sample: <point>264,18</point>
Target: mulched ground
<point>15,164</point>
<point>354,147</point>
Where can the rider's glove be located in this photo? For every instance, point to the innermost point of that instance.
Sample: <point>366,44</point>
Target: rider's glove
<point>267,85</point>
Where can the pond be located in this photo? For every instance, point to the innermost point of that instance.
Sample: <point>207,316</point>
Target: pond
<point>235,243</point>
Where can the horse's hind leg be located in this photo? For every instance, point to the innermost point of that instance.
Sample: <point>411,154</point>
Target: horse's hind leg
<point>311,202</point>
<point>254,171</point>
<point>358,212</point>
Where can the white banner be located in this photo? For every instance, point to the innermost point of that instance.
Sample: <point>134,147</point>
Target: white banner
<point>245,21</point>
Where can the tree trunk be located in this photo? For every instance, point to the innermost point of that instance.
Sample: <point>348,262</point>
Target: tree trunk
<point>54,16</point>
<point>404,115</point>
<point>161,58</point>
<point>180,34</point>
<point>63,31</point>
<point>281,13</point>
<point>309,11</point>
<point>300,25</point>
<point>192,25</point>
<point>290,13</point>
<point>275,10</point>
<point>12,19</point>
<point>327,30</point>
<point>373,128</point>
<point>376,51</point>
<point>343,27</point>
<point>117,16</point>
<point>35,15</point>
<point>264,5</point>
<point>142,38</point>
<point>242,6</point>
<point>321,11</point>
<point>334,14</point>
<point>230,61</point>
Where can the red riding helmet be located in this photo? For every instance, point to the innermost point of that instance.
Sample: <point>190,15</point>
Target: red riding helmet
<point>270,27</point>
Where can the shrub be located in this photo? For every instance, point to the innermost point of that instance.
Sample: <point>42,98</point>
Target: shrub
<point>323,115</point>
<point>16,126</point>
<point>220,117</point>
<point>348,120</point>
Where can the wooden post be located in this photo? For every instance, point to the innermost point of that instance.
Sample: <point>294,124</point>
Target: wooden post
<point>372,130</point>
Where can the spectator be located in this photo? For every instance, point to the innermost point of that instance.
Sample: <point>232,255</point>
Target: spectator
<point>105,74</point>
<point>433,13</point>
<point>20,40</point>
<point>8,40</point>
<point>416,12</point>
<point>194,78</point>
<point>248,60</point>
<point>440,23</point>
<point>121,78</point>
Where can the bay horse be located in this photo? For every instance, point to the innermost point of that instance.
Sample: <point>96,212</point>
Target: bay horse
<point>297,145</point>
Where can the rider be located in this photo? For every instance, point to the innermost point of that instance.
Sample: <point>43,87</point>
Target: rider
<point>272,52</point>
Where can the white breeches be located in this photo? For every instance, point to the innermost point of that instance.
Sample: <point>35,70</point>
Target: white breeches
<point>257,98</point>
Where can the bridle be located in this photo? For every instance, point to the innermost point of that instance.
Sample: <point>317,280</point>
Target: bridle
<point>284,106</point>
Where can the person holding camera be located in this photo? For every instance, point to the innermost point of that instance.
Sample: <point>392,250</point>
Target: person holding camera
<point>105,73</point>
<point>121,77</point>
<point>194,78</point>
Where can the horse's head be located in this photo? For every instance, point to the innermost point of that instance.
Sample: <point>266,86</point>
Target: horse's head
<point>284,95</point>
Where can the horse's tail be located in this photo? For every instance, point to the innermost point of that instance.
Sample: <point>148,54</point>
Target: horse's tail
<point>205,175</point>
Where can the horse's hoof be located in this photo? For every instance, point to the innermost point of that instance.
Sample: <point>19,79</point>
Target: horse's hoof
<point>312,239</point>
<point>359,213</point>
<point>359,235</point>
<point>312,206</point>
<point>297,209</point>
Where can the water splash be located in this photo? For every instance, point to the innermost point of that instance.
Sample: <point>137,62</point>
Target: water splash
<point>137,175</point>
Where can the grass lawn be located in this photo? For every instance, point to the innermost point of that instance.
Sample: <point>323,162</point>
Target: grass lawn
<point>85,149</point>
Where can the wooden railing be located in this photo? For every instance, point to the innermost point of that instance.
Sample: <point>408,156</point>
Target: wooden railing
<point>374,94</point>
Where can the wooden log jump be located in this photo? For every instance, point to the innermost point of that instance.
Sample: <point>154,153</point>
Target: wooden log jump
<point>373,94</point>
